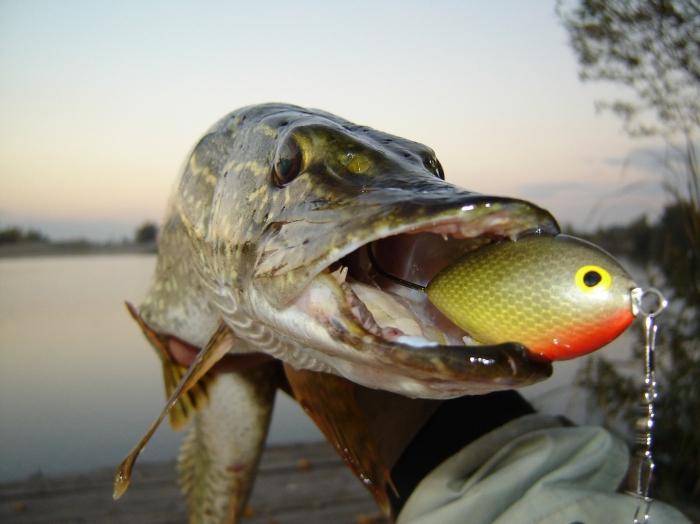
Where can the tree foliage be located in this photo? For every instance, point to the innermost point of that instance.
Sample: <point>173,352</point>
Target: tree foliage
<point>652,47</point>
<point>665,248</point>
<point>15,235</point>
<point>146,233</point>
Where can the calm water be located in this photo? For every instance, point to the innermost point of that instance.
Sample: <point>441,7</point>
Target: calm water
<point>79,384</point>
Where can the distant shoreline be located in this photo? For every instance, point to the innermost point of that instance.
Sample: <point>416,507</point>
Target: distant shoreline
<point>79,247</point>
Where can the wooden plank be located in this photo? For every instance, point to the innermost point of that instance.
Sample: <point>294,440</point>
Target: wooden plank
<point>300,483</point>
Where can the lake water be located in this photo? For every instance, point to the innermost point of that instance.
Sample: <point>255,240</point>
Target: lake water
<point>79,383</point>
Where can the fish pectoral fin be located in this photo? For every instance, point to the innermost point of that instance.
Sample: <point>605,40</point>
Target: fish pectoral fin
<point>331,402</point>
<point>197,396</point>
<point>193,400</point>
<point>220,343</point>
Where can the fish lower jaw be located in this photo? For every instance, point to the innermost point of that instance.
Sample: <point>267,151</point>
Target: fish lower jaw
<point>348,318</point>
<point>328,329</point>
<point>364,316</point>
<point>320,332</point>
<point>374,314</point>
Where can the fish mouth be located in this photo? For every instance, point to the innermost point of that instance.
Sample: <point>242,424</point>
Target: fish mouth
<point>391,336</point>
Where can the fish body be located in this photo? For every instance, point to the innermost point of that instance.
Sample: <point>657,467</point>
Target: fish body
<point>270,245</point>
<point>559,296</point>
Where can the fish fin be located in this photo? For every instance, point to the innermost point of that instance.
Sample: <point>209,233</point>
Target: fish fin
<point>195,398</point>
<point>219,344</point>
<point>221,451</point>
<point>331,402</point>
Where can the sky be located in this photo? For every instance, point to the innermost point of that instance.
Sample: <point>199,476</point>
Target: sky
<point>101,101</point>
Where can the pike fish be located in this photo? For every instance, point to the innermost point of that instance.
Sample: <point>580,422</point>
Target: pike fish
<point>272,260</point>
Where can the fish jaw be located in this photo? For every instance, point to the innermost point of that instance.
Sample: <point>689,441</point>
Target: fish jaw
<point>340,331</point>
<point>327,336</point>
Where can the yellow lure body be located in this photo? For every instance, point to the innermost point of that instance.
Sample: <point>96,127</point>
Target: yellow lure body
<point>559,296</point>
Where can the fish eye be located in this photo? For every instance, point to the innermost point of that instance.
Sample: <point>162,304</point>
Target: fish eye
<point>355,162</point>
<point>287,163</point>
<point>591,278</point>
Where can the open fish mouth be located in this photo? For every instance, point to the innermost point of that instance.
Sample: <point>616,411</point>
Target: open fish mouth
<point>386,334</point>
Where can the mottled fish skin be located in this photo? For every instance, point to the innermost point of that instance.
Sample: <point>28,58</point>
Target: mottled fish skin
<point>220,454</point>
<point>237,247</point>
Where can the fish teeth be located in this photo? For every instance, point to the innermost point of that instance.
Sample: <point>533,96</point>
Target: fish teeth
<point>361,313</point>
<point>340,274</point>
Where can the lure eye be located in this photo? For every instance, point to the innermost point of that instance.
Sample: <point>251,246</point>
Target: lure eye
<point>592,278</point>
<point>287,164</point>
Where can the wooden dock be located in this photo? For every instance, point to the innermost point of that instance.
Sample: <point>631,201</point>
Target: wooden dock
<point>305,483</point>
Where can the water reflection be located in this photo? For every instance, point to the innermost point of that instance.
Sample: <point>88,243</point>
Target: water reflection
<point>78,382</point>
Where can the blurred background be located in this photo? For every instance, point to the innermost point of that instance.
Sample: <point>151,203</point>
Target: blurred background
<point>100,102</point>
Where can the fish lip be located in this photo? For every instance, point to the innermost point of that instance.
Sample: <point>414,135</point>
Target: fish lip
<point>452,371</point>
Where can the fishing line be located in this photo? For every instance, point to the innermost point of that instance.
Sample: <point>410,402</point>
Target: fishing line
<point>394,278</point>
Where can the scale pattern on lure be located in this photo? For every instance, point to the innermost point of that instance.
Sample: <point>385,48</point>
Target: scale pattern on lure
<point>266,248</point>
<point>560,296</point>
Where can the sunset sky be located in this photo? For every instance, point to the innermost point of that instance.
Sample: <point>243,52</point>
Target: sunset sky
<point>100,101</point>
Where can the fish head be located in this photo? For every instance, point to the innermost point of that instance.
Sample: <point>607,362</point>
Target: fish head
<point>329,209</point>
<point>305,214</point>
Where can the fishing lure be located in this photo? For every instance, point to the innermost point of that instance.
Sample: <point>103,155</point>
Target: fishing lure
<point>559,296</point>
